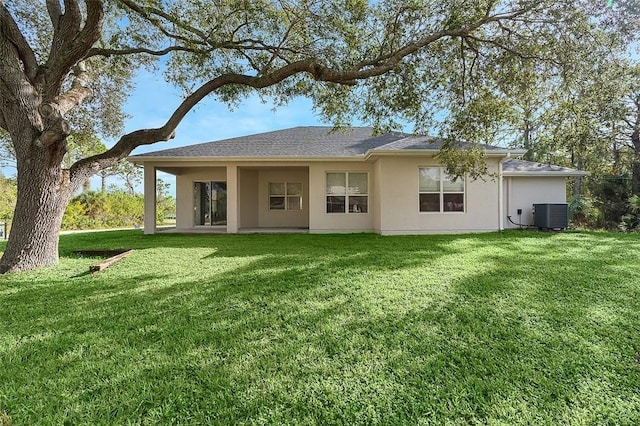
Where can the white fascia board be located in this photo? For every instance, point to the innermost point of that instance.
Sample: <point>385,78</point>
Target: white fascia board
<point>142,160</point>
<point>545,174</point>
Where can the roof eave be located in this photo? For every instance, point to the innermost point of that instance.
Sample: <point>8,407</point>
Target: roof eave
<point>542,173</point>
<point>402,152</point>
<point>398,152</point>
<point>154,159</point>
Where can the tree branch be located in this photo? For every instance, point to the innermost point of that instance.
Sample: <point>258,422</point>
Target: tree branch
<point>3,123</point>
<point>55,12</point>
<point>146,12</point>
<point>10,32</point>
<point>449,32</point>
<point>71,44</point>
<point>78,92</point>
<point>628,122</point>
<point>237,45</point>
<point>98,51</point>
<point>512,51</point>
<point>72,16</point>
<point>85,167</point>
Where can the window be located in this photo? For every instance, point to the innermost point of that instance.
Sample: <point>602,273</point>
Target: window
<point>285,196</point>
<point>439,192</point>
<point>347,192</point>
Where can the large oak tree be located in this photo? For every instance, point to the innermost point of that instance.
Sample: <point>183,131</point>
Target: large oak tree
<point>66,66</point>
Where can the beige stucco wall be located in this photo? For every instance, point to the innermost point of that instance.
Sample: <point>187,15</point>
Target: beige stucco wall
<point>249,217</point>
<point>281,218</point>
<point>393,197</point>
<point>399,200</point>
<point>376,179</point>
<point>522,192</point>
<point>319,220</point>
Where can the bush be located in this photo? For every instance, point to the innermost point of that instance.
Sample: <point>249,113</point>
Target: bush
<point>634,202</point>
<point>610,198</point>
<point>631,221</point>
<point>93,210</point>
<point>75,216</point>
<point>582,212</point>
<point>8,196</point>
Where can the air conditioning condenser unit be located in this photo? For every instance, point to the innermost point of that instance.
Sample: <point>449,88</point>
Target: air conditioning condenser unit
<point>551,216</point>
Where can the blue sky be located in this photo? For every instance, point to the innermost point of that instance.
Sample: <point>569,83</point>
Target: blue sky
<point>153,101</point>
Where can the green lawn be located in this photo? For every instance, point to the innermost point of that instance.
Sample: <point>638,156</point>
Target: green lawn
<point>501,328</point>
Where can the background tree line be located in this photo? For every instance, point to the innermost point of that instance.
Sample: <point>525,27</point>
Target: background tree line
<point>116,208</point>
<point>110,207</point>
<point>591,121</point>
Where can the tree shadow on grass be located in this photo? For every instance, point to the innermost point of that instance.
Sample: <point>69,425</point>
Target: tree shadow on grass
<point>373,331</point>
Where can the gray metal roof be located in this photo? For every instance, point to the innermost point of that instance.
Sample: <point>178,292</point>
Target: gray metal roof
<point>517,167</point>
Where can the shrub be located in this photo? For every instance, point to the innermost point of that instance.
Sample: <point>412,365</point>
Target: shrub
<point>93,210</point>
<point>631,221</point>
<point>582,213</point>
<point>75,216</point>
<point>610,197</point>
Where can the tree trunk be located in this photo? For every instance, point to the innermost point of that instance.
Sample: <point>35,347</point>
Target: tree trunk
<point>527,139</point>
<point>43,194</point>
<point>130,187</point>
<point>635,169</point>
<point>577,187</point>
<point>635,175</point>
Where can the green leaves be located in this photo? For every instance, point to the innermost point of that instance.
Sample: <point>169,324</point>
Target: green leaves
<point>479,62</point>
<point>8,195</point>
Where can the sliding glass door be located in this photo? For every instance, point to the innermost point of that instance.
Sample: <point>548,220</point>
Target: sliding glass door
<point>210,203</point>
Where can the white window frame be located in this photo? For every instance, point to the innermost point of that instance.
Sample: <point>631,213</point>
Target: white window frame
<point>286,197</point>
<point>441,192</point>
<point>347,194</point>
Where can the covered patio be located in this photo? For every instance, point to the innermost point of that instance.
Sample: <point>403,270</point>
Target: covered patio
<point>238,198</point>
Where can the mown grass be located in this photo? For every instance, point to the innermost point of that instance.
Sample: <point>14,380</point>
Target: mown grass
<point>501,328</point>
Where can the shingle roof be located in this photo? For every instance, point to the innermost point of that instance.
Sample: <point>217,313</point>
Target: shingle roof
<point>429,143</point>
<point>516,167</point>
<point>306,142</point>
<point>310,141</point>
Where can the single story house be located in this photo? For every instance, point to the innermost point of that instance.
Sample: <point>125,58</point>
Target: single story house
<point>348,180</point>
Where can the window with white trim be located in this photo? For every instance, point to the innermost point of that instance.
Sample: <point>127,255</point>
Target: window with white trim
<point>347,192</point>
<point>440,192</point>
<point>285,196</point>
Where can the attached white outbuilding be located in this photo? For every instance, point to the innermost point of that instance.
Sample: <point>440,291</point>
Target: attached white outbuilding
<point>526,183</point>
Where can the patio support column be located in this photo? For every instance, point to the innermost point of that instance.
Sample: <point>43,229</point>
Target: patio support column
<point>232,199</point>
<point>149,199</point>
